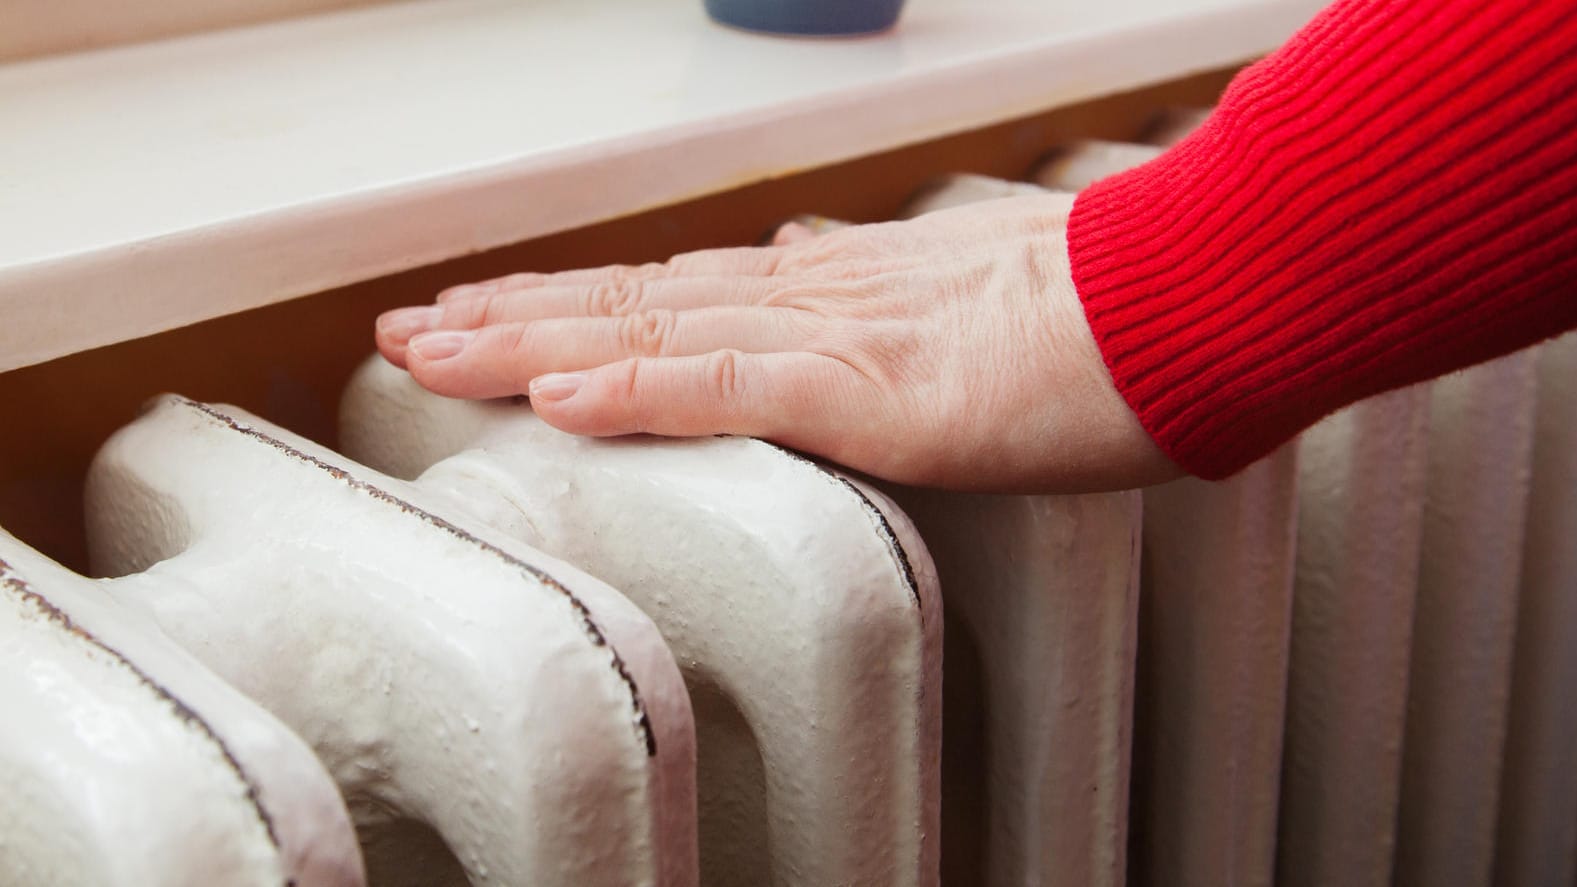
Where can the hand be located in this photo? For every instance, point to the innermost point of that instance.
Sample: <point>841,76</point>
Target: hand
<point>949,351</point>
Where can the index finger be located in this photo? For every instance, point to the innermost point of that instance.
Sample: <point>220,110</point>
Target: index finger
<point>739,261</point>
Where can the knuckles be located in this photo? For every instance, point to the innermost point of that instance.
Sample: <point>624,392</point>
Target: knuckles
<point>723,379</point>
<point>619,296</point>
<point>647,333</point>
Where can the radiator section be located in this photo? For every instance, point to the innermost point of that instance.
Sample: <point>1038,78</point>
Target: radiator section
<point>1480,443</point>
<point>451,680</point>
<point>1214,623</point>
<point>1536,841</point>
<point>1041,610</point>
<point>1172,125</point>
<point>127,762</point>
<point>1360,519</point>
<point>801,604</point>
<point>1082,164</point>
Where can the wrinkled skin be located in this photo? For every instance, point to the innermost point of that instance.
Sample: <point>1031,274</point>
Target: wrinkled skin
<point>948,351</point>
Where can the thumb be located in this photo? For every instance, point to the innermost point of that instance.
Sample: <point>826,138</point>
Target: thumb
<point>793,398</point>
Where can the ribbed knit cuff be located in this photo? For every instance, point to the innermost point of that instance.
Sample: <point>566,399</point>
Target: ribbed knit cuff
<point>1391,195</point>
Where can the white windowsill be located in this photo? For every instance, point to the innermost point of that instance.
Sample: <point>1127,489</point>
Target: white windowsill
<point>151,186</point>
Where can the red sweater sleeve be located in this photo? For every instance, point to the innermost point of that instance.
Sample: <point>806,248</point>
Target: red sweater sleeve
<point>1390,196</point>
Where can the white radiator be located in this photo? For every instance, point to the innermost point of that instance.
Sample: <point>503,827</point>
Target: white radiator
<point>1352,664</point>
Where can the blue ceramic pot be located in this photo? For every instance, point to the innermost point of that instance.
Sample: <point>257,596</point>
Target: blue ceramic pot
<point>806,16</point>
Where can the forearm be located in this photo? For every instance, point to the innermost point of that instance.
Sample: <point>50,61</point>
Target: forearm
<point>1390,196</point>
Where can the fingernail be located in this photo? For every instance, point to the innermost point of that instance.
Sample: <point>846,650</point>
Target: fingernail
<point>556,386</point>
<point>441,345</point>
<point>403,323</point>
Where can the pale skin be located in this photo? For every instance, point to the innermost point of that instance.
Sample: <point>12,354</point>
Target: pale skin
<point>948,351</point>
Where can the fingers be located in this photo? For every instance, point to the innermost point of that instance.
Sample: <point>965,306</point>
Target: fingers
<point>395,328</point>
<point>733,261</point>
<point>792,398</point>
<point>502,359</point>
